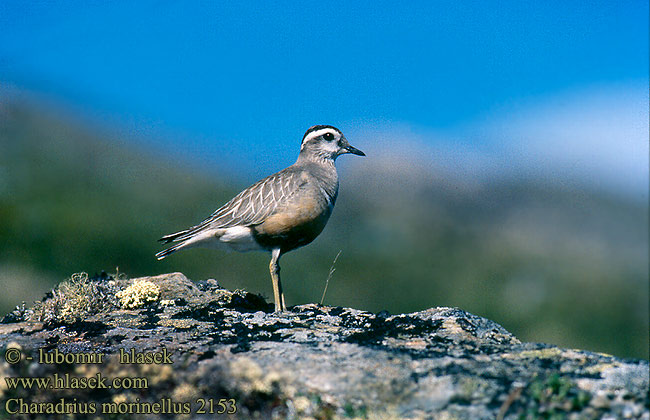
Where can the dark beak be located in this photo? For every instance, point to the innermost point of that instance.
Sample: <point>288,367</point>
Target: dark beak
<point>354,150</point>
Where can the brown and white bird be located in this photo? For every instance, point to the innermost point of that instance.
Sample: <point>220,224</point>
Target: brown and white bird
<point>279,213</point>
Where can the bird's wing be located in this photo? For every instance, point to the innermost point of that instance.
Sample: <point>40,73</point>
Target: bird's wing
<point>250,207</point>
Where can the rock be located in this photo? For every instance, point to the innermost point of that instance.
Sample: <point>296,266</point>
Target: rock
<point>229,353</point>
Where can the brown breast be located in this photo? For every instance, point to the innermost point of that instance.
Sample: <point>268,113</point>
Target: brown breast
<point>296,223</point>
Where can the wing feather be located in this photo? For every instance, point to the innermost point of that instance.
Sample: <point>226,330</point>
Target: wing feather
<point>250,207</point>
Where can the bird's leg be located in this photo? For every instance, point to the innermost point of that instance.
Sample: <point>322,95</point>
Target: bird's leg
<point>274,268</point>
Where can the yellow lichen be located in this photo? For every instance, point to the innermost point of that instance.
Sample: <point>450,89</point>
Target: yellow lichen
<point>252,378</point>
<point>138,294</point>
<point>301,404</point>
<point>181,324</point>
<point>157,374</point>
<point>550,353</point>
<point>601,367</point>
<point>185,392</point>
<point>120,398</point>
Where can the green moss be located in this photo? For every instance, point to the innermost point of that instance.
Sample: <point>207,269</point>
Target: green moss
<point>355,412</point>
<point>553,397</point>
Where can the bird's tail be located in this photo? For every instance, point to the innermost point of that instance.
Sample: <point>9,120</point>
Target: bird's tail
<point>162,254</point>
<point>174,236</point>
<point>186,239</point>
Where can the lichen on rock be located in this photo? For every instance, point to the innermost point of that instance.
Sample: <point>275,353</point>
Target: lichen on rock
<point>74,299</point>
<point>313,361</point>
<point>138,294</point>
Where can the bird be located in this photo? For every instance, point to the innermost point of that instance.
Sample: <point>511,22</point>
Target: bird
<point>279,213</point>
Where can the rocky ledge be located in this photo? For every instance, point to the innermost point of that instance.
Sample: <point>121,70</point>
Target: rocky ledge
<point>167,347</point>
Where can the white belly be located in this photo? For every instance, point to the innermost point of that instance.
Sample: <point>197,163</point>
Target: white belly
<point>236,238</point>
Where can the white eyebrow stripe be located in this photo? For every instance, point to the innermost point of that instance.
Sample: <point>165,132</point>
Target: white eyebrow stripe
<point>320,132</point>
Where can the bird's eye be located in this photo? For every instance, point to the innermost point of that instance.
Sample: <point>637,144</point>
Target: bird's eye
<point>328,136</point>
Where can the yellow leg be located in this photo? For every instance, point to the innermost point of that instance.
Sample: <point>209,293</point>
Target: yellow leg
<point>274,268</point>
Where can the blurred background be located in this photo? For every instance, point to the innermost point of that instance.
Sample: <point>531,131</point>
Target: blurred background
<point>506,169</point>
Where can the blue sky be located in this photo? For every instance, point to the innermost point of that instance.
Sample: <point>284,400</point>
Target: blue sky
<point>235,82</point>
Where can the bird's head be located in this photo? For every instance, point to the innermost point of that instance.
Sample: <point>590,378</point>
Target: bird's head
<point>323,142</point>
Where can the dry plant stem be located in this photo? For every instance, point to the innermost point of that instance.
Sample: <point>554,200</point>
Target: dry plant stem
<point>329,276</point>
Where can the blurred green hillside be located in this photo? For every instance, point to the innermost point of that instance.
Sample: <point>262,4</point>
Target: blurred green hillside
<point>550,263</point>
